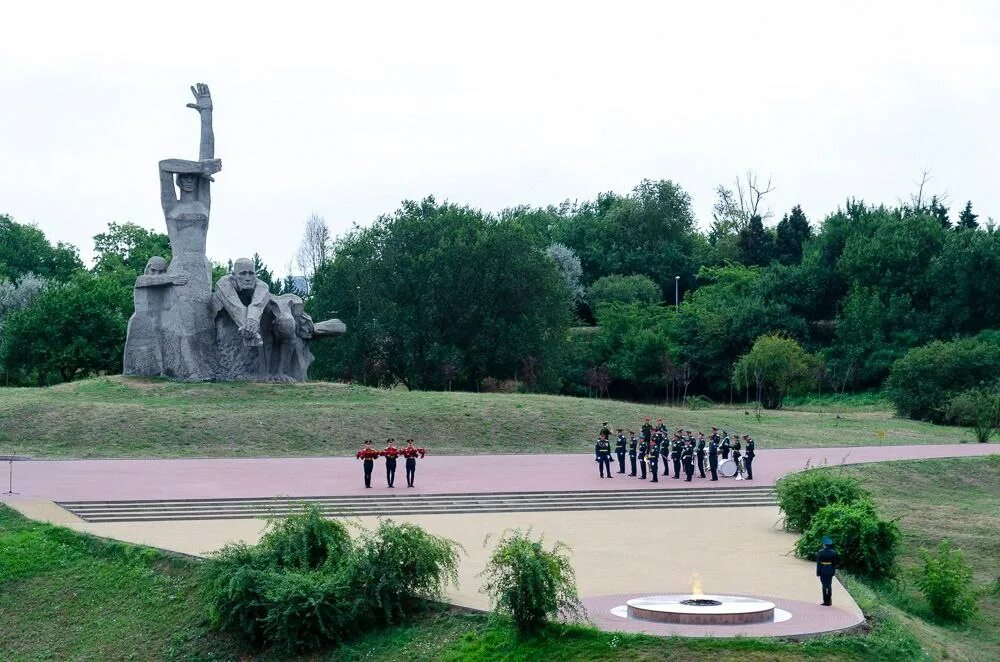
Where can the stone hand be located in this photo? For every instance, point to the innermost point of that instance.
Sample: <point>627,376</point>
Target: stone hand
<point>202,97</point>
<point>181,279</point>
<point>252,325</point>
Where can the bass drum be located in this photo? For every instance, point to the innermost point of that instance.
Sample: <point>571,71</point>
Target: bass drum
<point>728,468</point>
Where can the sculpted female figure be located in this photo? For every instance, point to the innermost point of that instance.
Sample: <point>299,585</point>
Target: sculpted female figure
<point>189,337</point>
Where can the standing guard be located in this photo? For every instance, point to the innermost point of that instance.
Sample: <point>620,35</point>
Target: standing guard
<point>701,455</point>
<point>620,451</point>
<point>605,430</point>
<point>737,452</point>
<point>713,458</point>
<point>411,453</point>
<point>748,460</point>
<point>390,454</point>
<point>654,451</point>
<point>687,458</point>
<point>602,451</point>
<point>369,455</point>
<point>675,455</point>
<point>632,443</point>
<point>725,445</point>
<point>643,451</point>
<point>647,431</point>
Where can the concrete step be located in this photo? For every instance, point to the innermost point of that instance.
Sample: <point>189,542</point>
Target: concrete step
<point>363,505</point>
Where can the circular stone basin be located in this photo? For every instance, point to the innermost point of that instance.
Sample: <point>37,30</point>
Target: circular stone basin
<point>727,610</point>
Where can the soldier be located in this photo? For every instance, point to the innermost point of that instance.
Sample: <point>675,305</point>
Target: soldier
<point>701,454</point>
<point>369,455</point>
<point>737,452</point>
<point>713,458</point>
<point>714,435</point>
<point>687,458</point>
<point>411,453</point>
<point>675,455</point>
<point>632,442</point>
<point>390,454</point>
<point>652,460</point>
<point>620,451</point>
<point>643,451</point>
<point>602,451</point>
<point>661,427</point>
<point>725,445</point>
<point>826,569</point>
<point>605,430</point>
<point>665,450</point>
<point>748,460</point>
<point>647,431</point>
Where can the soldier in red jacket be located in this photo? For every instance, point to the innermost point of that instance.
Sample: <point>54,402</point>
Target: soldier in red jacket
<point>390,454</point>
<point>411,453</point>
<point>369,455</point>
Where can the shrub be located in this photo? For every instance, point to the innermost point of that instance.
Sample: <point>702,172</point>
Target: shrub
<point>531,584</point>
<point>921,383</point>
<point>978,408</point>
<point>946,581</point>
<point>623,289</point>
<point>400,565</point>
<point>866,545</point>
<point>306,541</point>
<point>802,495</point>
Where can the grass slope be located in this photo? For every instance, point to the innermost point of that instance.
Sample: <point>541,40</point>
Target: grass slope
<point>122,417</point>
<point>934,499</point>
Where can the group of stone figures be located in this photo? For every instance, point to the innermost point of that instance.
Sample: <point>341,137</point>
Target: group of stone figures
<point>181,328</point>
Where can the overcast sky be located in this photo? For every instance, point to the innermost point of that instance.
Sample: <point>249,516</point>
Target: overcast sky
<point>347,110</point>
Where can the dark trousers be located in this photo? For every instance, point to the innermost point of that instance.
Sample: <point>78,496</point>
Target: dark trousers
<point>827,583</point>
<point>631,460</point>
<point>701,464</point>
<point>653,468</point>
<point>713,467</point>
<point>411,470</point>
<point>688,471</point>
<point>621,462</point>
<point>642,465</point>
<point>748,465</point>
<point>390,471</point>
<point>725,453</point>
<point>602,462</point>
<point>677,468</point>
<point>369,465</point>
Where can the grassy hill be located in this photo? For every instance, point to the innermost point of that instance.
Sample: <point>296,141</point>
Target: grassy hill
<point>124,417</point>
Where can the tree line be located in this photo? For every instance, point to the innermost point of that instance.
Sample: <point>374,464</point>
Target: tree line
<point>620,296</point>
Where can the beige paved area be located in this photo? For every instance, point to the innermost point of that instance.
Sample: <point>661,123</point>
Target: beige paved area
<point>735,550</point>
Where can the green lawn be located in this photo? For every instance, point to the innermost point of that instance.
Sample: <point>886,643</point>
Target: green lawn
<point>934,499</point>
<point>121,417</point>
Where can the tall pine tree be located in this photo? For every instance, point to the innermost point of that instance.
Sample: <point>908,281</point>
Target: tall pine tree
<point>756,244</point>
<point>967,220</point>
<point>793,230</point>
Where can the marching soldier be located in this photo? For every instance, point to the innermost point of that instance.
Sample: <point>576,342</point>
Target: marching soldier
<point>701,454</point>
<point>687,458</point>
<point>713,458</point>
<point>643,450</point>
<point>675,456</point>
<point>602,451</point>
<point>620,451</point>
<point>725,445</point>
<point>369,455</point>
<point>411,453</point>
<point>654,452</point>
<point>826,569</point>
<point>748,460</point>
<point>632,442</point>
<point>390,454</point>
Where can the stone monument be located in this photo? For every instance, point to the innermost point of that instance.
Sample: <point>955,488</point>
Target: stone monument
<point>183,330</point>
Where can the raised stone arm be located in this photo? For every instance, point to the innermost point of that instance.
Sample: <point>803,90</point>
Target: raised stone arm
<point>203,104</point>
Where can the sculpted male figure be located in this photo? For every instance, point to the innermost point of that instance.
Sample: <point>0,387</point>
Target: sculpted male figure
<point>241,298</point>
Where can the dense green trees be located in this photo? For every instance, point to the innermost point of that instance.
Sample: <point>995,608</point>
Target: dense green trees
<point>24,249</point>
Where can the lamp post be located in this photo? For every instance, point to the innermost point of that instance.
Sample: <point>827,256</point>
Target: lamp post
<point>677,292</point>
<point>358,289</point>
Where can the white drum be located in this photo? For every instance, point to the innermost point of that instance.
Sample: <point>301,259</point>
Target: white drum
<point>727,468</point>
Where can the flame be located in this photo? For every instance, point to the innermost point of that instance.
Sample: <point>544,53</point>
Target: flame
<point>696,586</point>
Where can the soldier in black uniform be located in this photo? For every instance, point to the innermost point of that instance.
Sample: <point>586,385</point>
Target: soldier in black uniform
<point>737,454</point>
<point>826,569</point>
<point>632,443</point>
<point>605,430</point>
<point>714,435</point>
<point>687,458</point>
<point>675,456</point>
<point>701,455</point>
<point>620,451</point>
<point>653,460</point>
<point>665,449</point>
<point>725,446</point>
<point>643,450</point>
<point>661,427</point>
<point>713,458</point>
<point>748,460</point>
<point>647,431</point>
<point>602,453</point>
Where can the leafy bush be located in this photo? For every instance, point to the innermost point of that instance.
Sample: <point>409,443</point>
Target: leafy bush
<point>531,584</point>
<point>946,582</point>
<point>623,289</point>
<point>978,408</point>
<point>866,545</point>
<point>922,382</point>
<point>308,585</point>
<point>802,495</point>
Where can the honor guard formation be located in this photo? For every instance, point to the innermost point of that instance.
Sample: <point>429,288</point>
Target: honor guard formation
<point>410,453</point>
<point>680,451</point>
